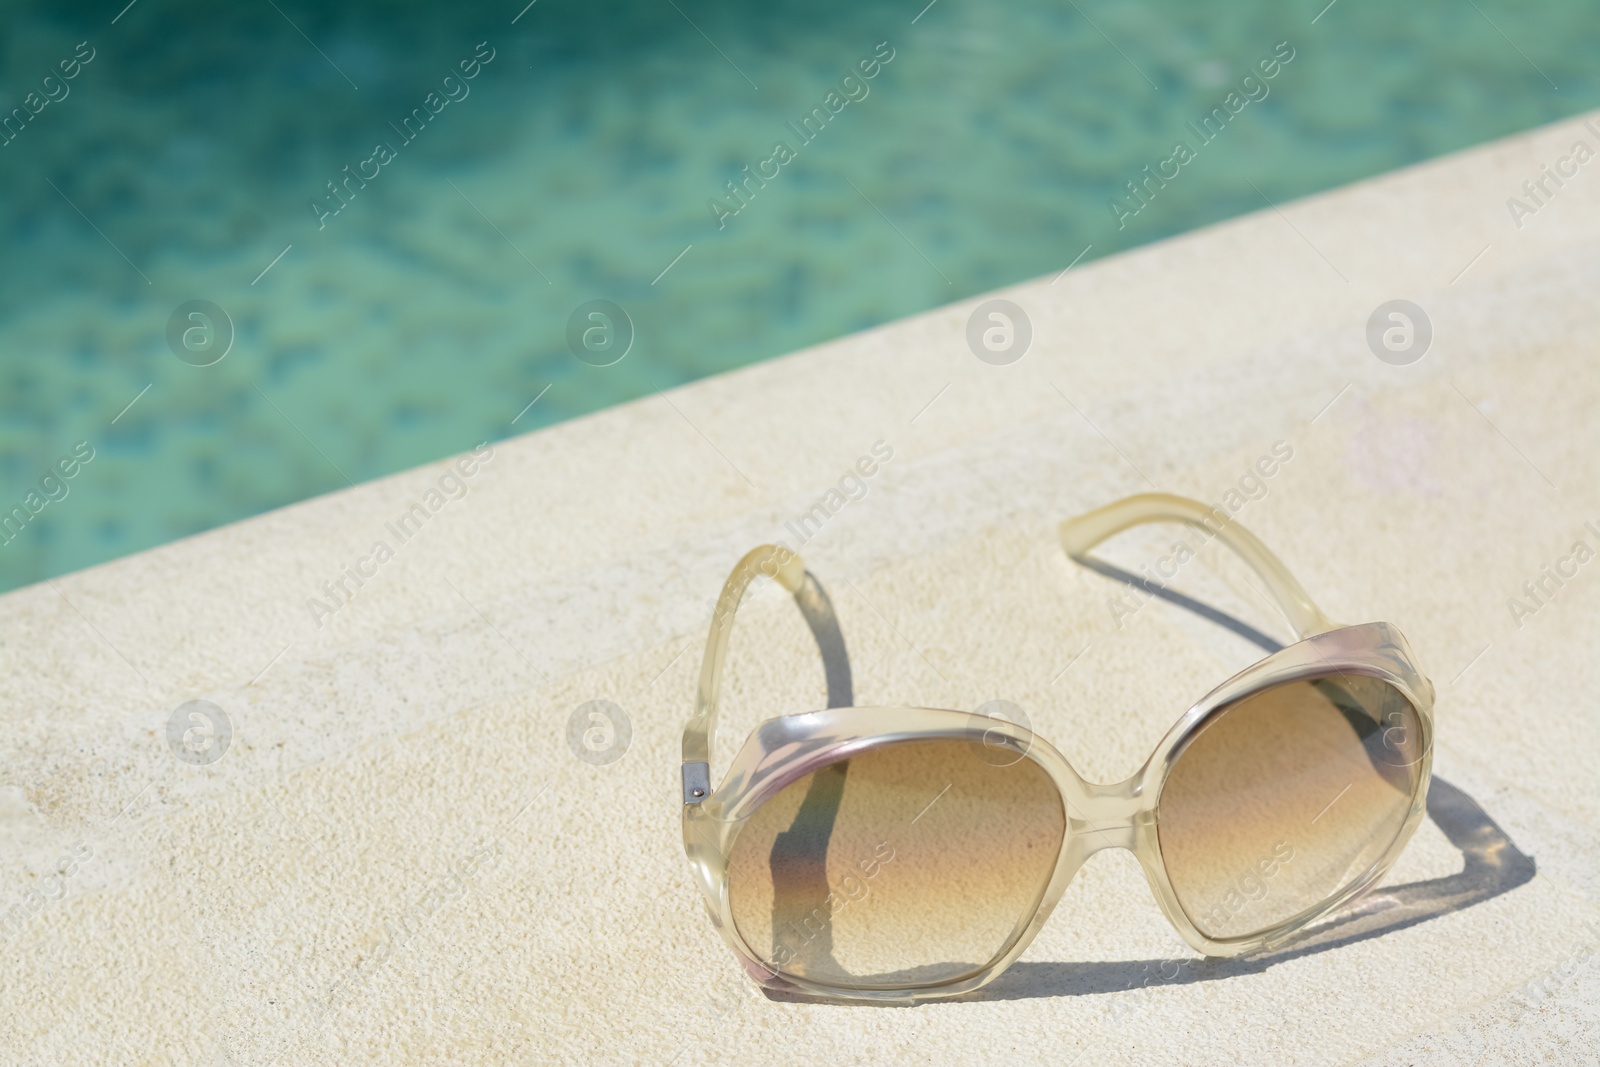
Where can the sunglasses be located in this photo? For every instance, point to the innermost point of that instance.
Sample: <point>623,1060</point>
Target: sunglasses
<point>897,854</point>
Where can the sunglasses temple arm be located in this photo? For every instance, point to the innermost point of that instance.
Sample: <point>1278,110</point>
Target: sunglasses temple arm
<point>1080,534</point>
<point>787,569</point>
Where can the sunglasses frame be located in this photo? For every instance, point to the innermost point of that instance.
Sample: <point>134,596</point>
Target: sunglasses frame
<point>785,749</point>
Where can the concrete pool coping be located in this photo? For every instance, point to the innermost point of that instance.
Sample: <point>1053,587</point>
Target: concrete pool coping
<point>399,856</point>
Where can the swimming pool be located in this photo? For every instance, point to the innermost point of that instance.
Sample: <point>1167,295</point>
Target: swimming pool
<point>397,224</point>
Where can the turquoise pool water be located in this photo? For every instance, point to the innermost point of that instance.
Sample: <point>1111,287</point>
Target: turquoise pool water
<point>398,207</point>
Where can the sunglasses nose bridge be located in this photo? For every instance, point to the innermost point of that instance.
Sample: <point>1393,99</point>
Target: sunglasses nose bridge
<point>1107,817</point>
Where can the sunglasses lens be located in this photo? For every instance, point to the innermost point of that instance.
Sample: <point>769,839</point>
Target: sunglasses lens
<point>1287,797</point>
<point>908,864</point>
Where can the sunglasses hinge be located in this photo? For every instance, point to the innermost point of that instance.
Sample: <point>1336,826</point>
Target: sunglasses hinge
<point>696,782</point>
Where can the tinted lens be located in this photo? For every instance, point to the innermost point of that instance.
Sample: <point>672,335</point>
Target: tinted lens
<point>908,864</point>
<point>1287,797</point>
